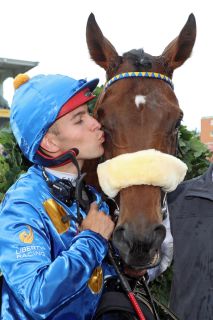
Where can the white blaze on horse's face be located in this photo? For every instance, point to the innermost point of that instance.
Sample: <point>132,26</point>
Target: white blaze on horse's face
<point>140,100</point>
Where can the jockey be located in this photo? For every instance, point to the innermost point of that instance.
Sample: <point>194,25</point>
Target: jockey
<point>52,269</point>
<point>54,230</point>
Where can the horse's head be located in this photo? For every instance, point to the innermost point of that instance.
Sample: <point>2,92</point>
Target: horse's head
<point>139,112</point>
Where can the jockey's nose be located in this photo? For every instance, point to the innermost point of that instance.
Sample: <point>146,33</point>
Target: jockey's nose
<point>94,124</point>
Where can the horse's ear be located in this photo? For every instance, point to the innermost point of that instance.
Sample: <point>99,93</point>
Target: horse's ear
<point>179,50</point>
<point>100,49</point>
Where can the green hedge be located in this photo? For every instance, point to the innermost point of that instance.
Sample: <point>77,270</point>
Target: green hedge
<point>12,163</point>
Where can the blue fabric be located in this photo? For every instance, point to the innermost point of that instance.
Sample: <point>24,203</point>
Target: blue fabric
<point>46,278</point>
<point>41,98</point>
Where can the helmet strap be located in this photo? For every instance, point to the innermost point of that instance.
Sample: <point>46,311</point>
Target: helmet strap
<point>64,158</point>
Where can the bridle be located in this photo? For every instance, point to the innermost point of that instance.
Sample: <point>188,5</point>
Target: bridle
<point>164,208</point>
<point>149,75</point>
<point>139,74</point>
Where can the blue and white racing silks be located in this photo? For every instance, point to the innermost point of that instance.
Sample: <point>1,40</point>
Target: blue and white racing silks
<point>50,271</point>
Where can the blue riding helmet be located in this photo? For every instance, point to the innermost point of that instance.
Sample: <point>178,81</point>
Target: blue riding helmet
<point>36,104</point>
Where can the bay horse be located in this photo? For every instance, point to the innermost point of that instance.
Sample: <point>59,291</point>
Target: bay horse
<point>139,111</point>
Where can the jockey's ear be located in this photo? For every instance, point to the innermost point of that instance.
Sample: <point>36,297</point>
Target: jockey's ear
<point>49,143</point>
<point>179,50</point>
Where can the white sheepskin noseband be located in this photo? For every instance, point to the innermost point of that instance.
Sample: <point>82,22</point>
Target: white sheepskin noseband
<point>147,167</point>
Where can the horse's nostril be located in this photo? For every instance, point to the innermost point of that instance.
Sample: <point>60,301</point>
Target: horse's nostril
<point>160,233</point>
<point>120,238</point>
<point>119,234</point>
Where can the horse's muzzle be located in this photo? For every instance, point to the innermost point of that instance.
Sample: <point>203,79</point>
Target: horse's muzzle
<point>139,250</point>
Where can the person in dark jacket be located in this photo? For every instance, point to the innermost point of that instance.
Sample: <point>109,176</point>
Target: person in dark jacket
<point>191,215</point>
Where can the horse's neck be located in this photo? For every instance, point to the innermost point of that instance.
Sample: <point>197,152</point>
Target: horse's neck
<point>90,167</point>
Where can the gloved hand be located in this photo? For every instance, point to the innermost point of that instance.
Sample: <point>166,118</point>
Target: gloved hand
<point>166,250</point>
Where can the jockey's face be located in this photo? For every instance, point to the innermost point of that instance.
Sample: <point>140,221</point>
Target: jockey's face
<point>78,129</point>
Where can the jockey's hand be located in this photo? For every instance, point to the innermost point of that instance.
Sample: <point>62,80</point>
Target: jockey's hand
<point>98,221</point>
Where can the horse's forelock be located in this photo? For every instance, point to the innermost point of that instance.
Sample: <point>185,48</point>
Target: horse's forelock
<point>139,58</point>
<point>137,53</point>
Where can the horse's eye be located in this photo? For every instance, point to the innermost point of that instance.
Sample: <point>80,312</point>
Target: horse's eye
<point>178,123</point>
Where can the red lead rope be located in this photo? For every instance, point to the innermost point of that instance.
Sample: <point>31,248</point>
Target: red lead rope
<point>136,306</point>
<point>126,287</point>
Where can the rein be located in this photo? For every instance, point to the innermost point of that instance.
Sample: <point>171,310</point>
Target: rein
<point>139,74</point>
<point>125,285</point>
<point>140,290</point>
